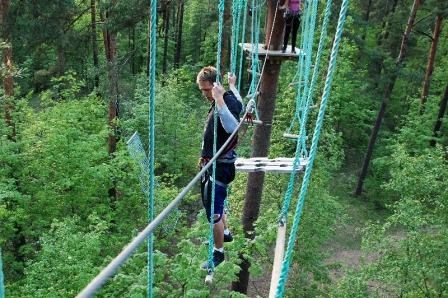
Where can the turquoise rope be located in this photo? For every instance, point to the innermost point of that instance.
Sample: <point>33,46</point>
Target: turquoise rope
<point>254,44</point>
<point>302,30</point>
<point>152,99</point>
<point>303,108</point>
<point>290,188</point>
<point>319,123</point>
<point>215,125</point>
<point>236,12</point>
<point>299,147</point>
<point>255,68</point>
<point>255,41</point>
<point>243,38</point>
<point>2,287</point>
<point>306,48</point>
<point>309,99</point>
<point>301,65</point>
<point>309,52</point>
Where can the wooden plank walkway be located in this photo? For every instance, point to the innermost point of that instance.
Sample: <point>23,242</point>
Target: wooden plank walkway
<point>247,47</point>
<point>281,165</point>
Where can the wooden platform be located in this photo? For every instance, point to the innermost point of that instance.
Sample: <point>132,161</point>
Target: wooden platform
<point>291,136</point>
<point>247,47</point>
<point>281,165</point>
<point>255,121</point>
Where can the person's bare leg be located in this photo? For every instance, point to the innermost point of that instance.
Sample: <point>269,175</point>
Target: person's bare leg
<point>218,234</point>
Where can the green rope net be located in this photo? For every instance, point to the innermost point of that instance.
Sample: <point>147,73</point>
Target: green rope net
<point>306,180</point>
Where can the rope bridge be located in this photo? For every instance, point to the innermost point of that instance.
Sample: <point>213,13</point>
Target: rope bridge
<point>303,102</point>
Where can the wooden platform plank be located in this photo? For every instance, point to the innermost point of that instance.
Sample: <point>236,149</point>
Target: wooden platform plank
<point>255,121</point>
<point>281,165</point>
<point>291,136</point>
<point>247,47</point>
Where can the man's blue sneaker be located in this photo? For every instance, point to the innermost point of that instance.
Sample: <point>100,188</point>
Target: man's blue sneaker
<point>218,258</point>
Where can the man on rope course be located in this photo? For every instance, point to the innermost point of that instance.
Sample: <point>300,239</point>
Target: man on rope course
<point>229,108</point>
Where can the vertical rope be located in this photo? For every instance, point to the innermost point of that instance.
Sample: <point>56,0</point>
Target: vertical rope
<point>215,134</point>
<point>243,37</point>
<point>301,63</point>
<point>2,286</point>
<point>254,42</point>
<point>236,12</point>
<point>309,51</point>
<point>302,123</point>
<point>309,99</point>
<point>152,97</point>
<point>319,123</point>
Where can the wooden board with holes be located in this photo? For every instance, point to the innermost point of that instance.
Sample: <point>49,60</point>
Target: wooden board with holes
<point>247,47</point>
<point>281,165</point>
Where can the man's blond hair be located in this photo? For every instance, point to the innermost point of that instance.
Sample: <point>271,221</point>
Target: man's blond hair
<point>207,74</point>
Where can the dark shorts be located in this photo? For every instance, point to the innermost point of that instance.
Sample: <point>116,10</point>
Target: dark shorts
<point>225,173</point>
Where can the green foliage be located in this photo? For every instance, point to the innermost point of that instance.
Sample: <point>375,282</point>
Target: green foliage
<point>70,253</point>
<point>64,160</point>
<point>55,210</point>
<point>408,250</point>
<point>63,88</point>
<point>179,107</point>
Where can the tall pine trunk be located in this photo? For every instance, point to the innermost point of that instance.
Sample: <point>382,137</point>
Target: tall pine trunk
<point>378,63</point>
<point>180,21</point>
<point>261,143</point>
<point>367,18</point>
<point>226,36</point>
<point>60,64</point>
<point>94,43</point>
<point>442,110</point>
<point>132,49</point>
<point>8,82</point>
<point>110,46</point>
<point>148,47</point>
<point>386,24</point>
<point>166,24</point>
<point>387,92</point>
<point>430,64</point>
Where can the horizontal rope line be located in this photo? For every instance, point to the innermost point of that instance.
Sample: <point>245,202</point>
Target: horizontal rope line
<point>119,260</point>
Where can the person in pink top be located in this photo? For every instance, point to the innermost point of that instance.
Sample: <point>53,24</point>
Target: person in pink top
<point>292,14</point>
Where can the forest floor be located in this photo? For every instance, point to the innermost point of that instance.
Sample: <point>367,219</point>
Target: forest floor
<point>344,248</point>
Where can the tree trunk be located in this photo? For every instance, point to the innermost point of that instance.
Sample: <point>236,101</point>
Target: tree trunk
<point>110,46</point>
<point>442,110</point>
<point>387,92</point>
<point>430,64</point>
<point>366,19</point>
<point>180,21</point>
<point>385,26</point>
<point>225,42</point>
<point>94,43</point>
<point>60,67</point>
<point>166,23</point>
<point>378,63</point>
<point>262,136</point>
<point>8,82</point>
<point>132,49</point>
<point>148,47</point>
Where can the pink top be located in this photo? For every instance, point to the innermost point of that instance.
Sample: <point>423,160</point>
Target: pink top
<point>294,5</point>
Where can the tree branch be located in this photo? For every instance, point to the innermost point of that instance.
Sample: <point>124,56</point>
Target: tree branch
<point>424,34</point>
<point>76,19</point>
